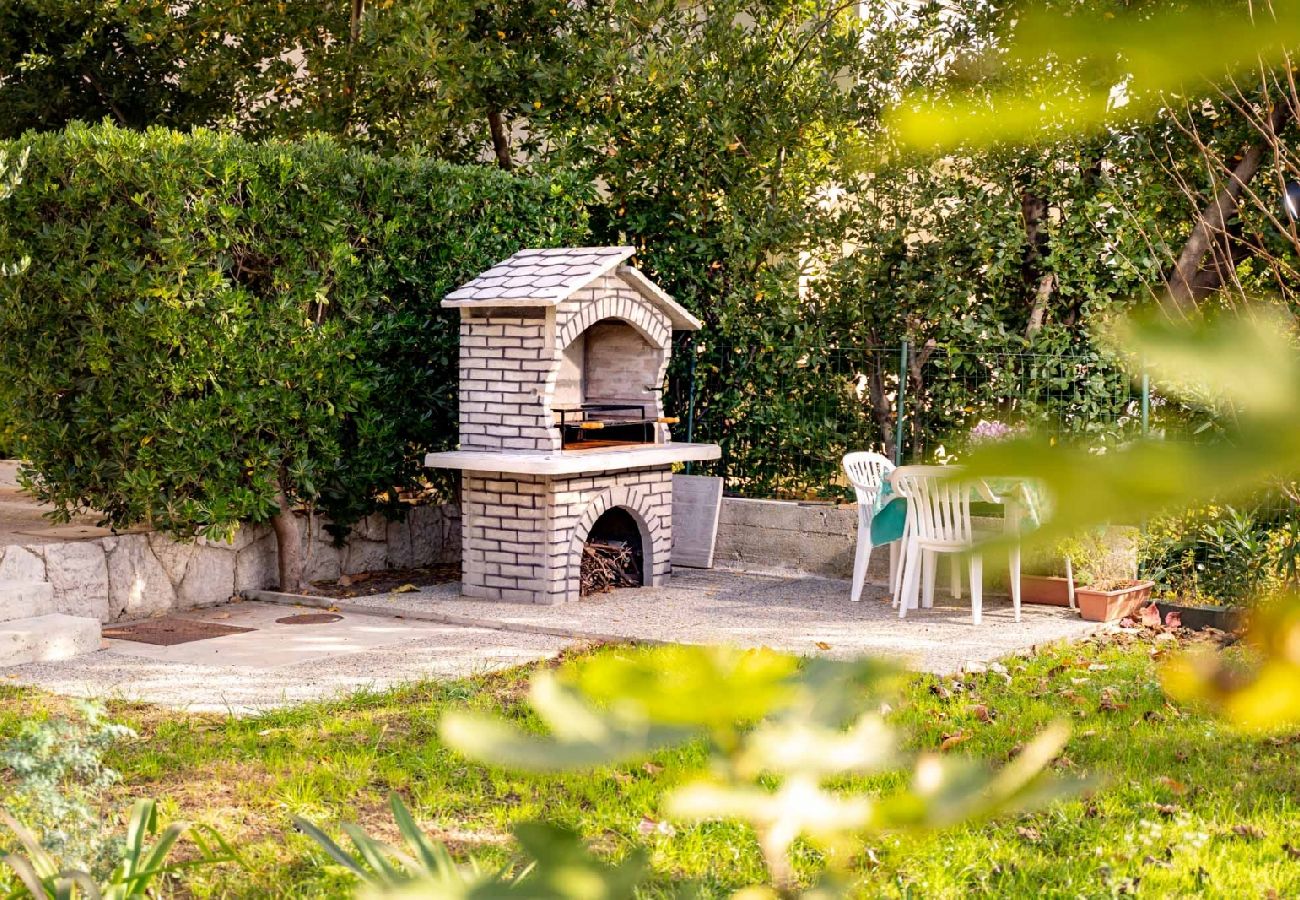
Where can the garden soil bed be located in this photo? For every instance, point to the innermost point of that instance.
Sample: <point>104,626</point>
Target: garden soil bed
<point>383,582</point>
<point>1223,618</point>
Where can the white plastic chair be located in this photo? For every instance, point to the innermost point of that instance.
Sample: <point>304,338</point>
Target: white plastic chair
<point>868,472</point>
<point>939,521</point>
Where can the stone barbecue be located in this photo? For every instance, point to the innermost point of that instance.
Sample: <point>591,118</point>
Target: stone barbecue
<point>563,438</point>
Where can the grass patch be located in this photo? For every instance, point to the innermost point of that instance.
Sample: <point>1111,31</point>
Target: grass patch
<point>1185,806</point>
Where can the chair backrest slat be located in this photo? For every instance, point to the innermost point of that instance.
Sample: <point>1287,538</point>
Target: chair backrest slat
<point>867,472</point>
<point>938,502</point>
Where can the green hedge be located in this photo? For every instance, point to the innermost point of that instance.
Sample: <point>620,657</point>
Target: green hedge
<point>202,321</point>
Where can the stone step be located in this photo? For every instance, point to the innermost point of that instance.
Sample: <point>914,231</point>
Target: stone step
<point>25,599</point>
<point>47,638</point>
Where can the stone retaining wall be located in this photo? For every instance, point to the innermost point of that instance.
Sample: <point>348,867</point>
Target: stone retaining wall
<point>131,576</point>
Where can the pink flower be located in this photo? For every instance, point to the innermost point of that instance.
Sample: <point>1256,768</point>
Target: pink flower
<point>986,432</point>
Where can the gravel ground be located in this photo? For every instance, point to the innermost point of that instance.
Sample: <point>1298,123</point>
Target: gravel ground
<point>798,614</point>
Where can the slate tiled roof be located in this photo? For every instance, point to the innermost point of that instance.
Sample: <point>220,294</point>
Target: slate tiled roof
<point>539,276</point>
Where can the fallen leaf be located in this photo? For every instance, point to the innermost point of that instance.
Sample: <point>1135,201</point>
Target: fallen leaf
<point>220,615</point>
<point>982,712</point>
<point>405,589</point>
<point>1172,784</point>
<point>1251,832</point>
<point>822,645</point>
<point>952,740</point>
<point>1167,809</point>
<point>940,691</point>
<point>622,777</point>
<point>1150,616</point>
<point>1173,619</point>
<point>1291,851</point>
<point>651,768</point>
<point>649,826</point>
<point>1033,835</point>
<point>1108,703</point>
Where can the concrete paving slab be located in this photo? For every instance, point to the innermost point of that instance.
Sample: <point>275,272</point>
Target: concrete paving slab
<point>280,665</point>
<point>271,645</point>
<point>799,614</point>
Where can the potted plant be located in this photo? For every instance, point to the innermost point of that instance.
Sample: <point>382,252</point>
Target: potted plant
<point>1099,567</point>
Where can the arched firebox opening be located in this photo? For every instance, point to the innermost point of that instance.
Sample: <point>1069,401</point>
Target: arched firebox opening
<point>613,555</point>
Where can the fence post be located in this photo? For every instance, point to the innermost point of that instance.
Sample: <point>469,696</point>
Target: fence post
<point>690,402</point>
<point>1146,400</point>
<point>902,392</point>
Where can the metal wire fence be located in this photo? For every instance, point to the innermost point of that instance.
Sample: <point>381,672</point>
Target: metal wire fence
<point>785,415</point>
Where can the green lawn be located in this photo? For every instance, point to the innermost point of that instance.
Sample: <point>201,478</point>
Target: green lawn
<point>1185,805</point>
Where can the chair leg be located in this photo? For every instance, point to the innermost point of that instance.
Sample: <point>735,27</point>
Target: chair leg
<point>911,579</point>
<point>895,555</point>
<point>954,570</point>
<point>976,588</point>
<point>902,545</point>
<point>1015,580</point>
<point>861,560</point>
<point>929,568</point>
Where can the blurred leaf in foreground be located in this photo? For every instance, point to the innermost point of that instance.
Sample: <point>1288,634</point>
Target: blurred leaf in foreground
<point>1085,68</point>
<point>783,733</point>
<point>1247,366</point>
<point>1258,691</point>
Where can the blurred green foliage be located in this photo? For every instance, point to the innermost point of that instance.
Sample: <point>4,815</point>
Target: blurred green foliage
<point>783,736</point>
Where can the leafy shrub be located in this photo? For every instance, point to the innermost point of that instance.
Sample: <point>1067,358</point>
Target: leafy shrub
<point>207,330</point>
<point>1222,553</point>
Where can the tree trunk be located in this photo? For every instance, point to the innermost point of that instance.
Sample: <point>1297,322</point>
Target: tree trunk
<point>882,410</point>
<point>916,392</point>
<point>1034,210</point>
<point>500,139</point>
<point>1191,280</point>
<point>288,546</point>
<point>1039,310</point>
<point>354,24</point>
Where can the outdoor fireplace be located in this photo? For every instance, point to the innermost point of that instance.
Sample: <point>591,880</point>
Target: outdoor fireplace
<point>563,355</point>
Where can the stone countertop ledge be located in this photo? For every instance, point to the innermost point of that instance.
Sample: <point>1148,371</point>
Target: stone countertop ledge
<point>573,462</point>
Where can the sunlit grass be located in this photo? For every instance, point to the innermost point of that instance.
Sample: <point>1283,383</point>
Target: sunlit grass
<point>1186,805</point>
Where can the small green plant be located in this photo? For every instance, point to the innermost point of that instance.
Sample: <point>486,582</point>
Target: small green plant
<point>58,779</point>
<point>138,869</point>
<point>1099,558</point>
<point>561,866</point>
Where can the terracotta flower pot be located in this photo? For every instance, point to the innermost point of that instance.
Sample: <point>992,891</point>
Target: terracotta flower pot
<point>1049,590</point>
<point>1107,606</point>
